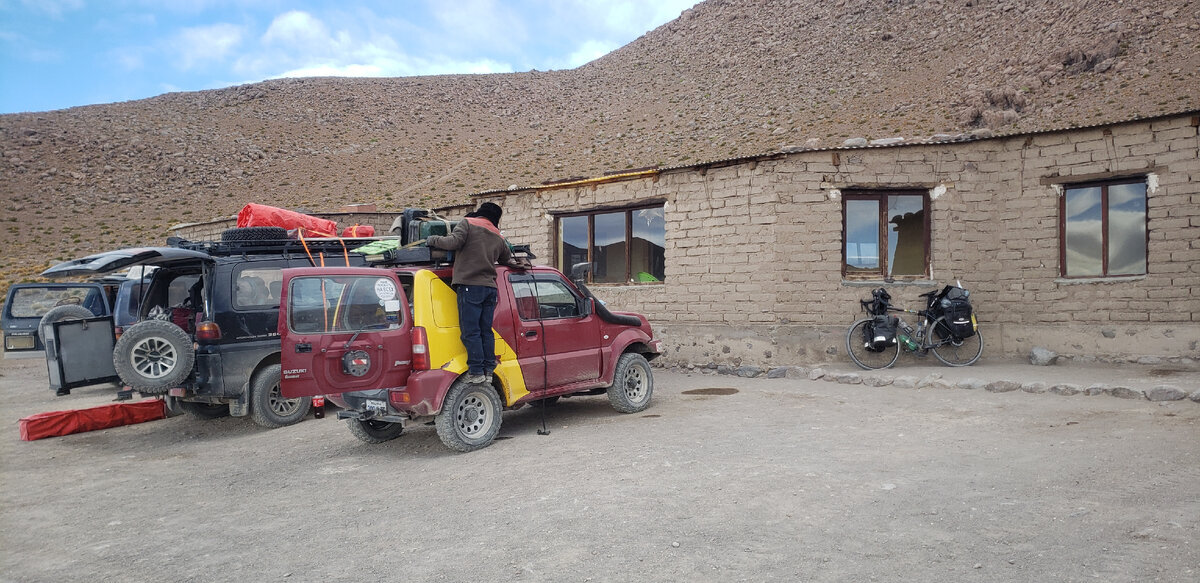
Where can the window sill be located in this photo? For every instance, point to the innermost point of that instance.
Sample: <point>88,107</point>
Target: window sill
<point>882,283</point>
<point>1090,280</point>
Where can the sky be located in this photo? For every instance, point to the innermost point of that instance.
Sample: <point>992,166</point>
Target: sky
<point>56,54</point>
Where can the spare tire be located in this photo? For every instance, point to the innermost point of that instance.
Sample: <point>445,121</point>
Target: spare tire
<point>62,314</point>
<point>153,356</point>
<point>254,234</point>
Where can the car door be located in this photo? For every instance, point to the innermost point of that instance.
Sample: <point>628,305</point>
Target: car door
<point>343,329</point>
<point>557,336</point>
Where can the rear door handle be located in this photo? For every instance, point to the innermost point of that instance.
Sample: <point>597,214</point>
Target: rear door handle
<point>303,347</point>
<point>530,333</point>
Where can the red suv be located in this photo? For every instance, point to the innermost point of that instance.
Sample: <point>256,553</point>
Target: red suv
<point>383,344</point>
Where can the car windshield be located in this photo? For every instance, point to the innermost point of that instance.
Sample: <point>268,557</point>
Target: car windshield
<point>34,302</point>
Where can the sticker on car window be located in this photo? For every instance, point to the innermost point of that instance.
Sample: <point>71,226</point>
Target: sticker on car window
<point>385,289</point>
<point>391,305</point>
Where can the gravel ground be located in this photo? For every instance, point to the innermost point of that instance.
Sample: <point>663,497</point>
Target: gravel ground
<point>766,480</point>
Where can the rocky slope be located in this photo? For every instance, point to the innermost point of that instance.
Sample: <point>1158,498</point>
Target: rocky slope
<point>726,78</point>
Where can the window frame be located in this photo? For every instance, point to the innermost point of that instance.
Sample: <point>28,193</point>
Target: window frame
<point>591,234</point>
<point>1103,185</point>
<point>881,196</point>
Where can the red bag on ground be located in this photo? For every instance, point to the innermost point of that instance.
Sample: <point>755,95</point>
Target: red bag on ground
<point>359,231</point>
<point>261,215</point>
<point>59,423</point>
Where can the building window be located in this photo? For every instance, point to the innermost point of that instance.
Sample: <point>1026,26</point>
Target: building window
<point>623,246</point>
<point>886,234</point>
<point>1104,229</point>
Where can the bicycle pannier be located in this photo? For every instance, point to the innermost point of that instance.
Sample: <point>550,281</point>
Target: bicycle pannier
<point>881,333</point>
<point>953,305</point>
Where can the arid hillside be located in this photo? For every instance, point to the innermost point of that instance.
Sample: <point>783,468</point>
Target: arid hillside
<point>726,78</point>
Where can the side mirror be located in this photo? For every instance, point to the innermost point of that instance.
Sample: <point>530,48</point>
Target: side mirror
<point>585,306</point>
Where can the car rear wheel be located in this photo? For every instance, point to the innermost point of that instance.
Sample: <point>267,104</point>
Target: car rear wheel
<point>470,416</point>
<point>374,431</point>
<point>153,356</point>
<point>268,407</point>
<point>633,384</point>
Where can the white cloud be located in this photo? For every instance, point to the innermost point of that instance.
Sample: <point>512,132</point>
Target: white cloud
<point>296,29</point>
<point>206,43</point>
<point>589,51</point>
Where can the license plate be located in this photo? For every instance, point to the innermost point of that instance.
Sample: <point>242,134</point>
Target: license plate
<point>375,405</point>
<point>18,342</point>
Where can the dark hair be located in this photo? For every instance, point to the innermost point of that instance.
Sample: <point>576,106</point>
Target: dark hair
<point>490,211</point>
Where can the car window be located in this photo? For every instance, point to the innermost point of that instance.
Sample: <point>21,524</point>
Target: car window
<point>34,302</point>
<point>343,304</point>
<point>544,299</point>
<point>257,287</point>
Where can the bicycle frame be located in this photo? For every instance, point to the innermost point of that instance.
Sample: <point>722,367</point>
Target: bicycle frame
<point>950,350</point>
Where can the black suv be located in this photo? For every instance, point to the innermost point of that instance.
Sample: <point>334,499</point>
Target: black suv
<point>207,337</point>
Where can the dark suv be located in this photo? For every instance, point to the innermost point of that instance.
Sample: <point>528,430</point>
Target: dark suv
<point>29,307</point>
<point>207,336</point>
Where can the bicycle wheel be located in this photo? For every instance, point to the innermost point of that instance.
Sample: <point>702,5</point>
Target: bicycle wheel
<point>955,351</point>
<point>856,347</point>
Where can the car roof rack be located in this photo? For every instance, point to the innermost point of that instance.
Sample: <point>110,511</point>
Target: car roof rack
<point>275,246</point>
<point>424,255</point>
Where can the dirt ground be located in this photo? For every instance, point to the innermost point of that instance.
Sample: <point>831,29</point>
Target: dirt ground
<point>776,480</point>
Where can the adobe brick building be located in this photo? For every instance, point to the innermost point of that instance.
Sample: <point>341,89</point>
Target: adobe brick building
<point>1085,241</point>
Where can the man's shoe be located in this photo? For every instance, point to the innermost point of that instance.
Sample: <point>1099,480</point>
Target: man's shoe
<point>477,379</point>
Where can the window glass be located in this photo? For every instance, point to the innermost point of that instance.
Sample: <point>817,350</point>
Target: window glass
<point>1127,229</point>
<point>257,287</point>
<point>609,248</point>
<point>906,237</point>
<point>527,306</point>
<point>862,235</point>
<point>1084,237</point>
<point>555,300</point>
<point>180,289</point>
<point>33,302</point>
<point>344,304</point>
<point>573,246</point>
<point>623,246</point>
<point>648,252</point>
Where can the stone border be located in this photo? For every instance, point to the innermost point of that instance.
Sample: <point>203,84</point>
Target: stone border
<point>935,381</point>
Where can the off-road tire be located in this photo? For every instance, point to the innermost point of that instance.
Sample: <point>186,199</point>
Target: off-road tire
<point>633,384</point>
<point>374,431</point>
<point>61,314</point>
<point>254,234</point>
<point>865,357</point>
<point>153,356</point>
<point>470,416</point>
<point>956,351</point>
<point>268,407</point>
<point>204,411</point>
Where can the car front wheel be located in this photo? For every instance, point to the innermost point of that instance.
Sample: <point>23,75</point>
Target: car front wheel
<point>268,407</point>
<point>470,416</point>
<point>633,384</point>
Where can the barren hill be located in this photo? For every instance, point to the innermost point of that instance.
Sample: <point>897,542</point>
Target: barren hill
<point>726,78</point>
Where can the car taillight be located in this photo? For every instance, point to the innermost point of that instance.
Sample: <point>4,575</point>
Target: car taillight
<point>208,331</point>
<point>420,349</point>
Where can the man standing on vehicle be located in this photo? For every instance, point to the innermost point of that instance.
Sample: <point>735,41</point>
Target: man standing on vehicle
<point>478,246</point>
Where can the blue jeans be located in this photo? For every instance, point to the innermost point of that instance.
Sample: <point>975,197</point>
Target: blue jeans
<point>476,306</point>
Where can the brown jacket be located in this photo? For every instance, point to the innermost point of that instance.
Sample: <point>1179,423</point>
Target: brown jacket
<point>478,245</point>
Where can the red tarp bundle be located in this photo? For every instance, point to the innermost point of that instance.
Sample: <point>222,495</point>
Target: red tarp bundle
<point>261,215</point>
<point>359,231</point>
<point>58,423</point>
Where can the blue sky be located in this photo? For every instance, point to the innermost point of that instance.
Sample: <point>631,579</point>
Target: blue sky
<point>63,53</point>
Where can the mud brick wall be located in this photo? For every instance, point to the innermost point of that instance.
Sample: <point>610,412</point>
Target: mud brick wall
<point>753,246</point>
